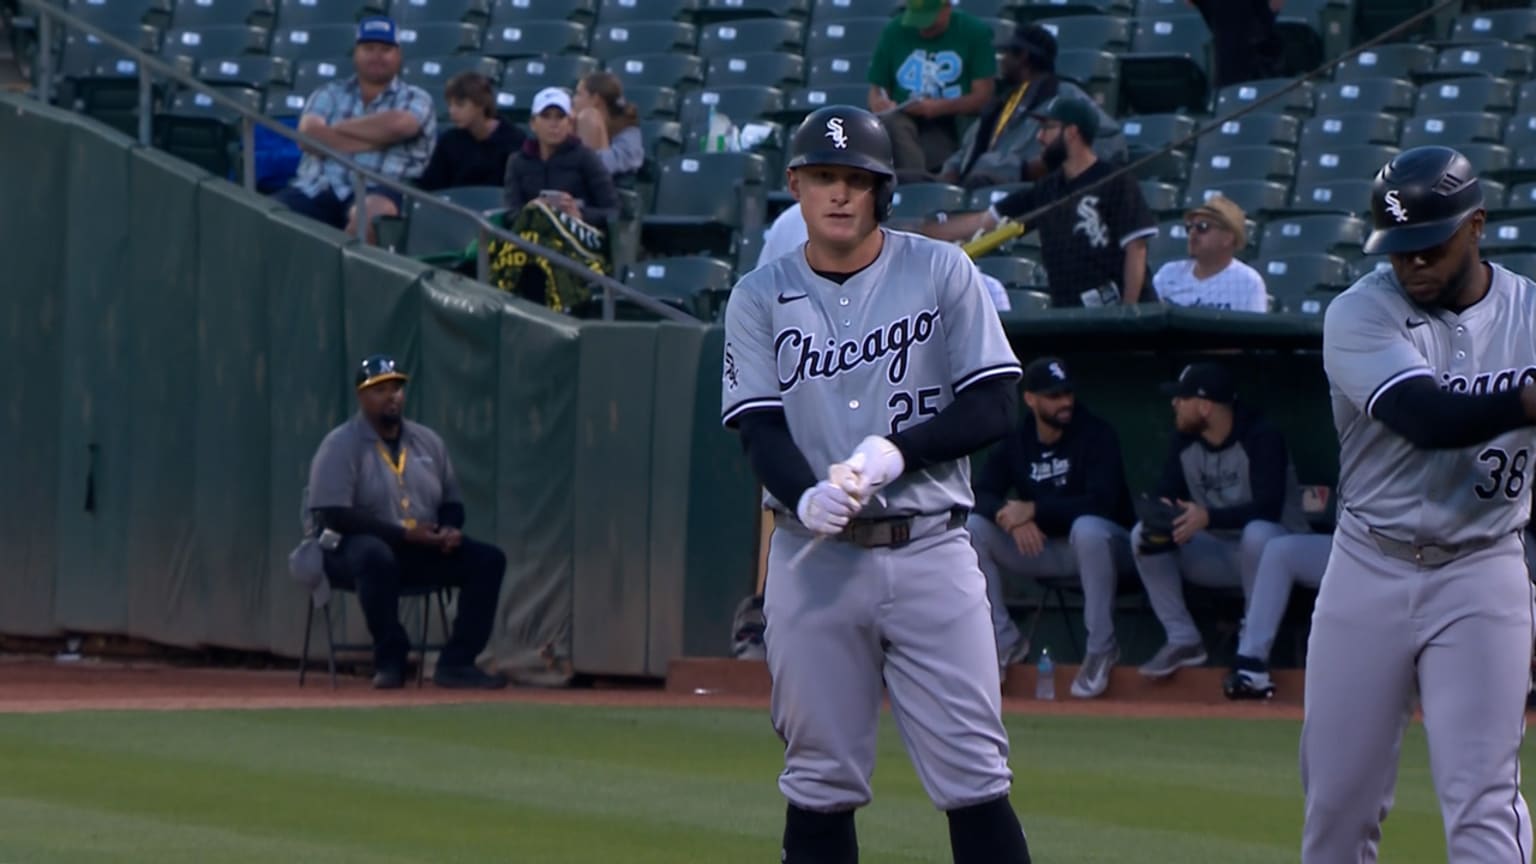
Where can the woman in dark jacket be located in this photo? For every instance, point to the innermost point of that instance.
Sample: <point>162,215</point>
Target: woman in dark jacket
<point>555,165</point>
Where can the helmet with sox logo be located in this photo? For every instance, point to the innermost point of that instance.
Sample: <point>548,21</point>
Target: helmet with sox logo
<point>851,136</point>
<point>1420,198</point>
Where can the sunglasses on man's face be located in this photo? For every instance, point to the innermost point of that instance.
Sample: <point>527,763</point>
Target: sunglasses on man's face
<point>1200,227</point>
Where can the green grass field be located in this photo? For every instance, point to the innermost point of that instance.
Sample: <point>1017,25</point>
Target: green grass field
<point>525,783</point>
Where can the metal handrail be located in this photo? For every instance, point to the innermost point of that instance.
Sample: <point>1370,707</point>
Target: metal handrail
<point>149,65</point>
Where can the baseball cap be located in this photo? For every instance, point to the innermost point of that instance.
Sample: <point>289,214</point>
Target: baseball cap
<point>551,96</point>
<point>1047,376</point>
<point>377,369</point>
<point>376,28</point>
<point>1225,212</point>
<point>1203,381</point>
<point>1035,40</point>
<point>921,14</point>
<point>1072,112</point>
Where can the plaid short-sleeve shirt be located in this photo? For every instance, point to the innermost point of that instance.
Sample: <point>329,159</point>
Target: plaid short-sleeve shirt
<point>342,100</point>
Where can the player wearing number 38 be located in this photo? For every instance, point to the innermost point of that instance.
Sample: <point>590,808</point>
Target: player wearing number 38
<point>1430,366</point>
<point>386,486</point>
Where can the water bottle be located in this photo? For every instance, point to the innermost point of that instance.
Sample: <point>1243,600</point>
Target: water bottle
<point>1045,677</point>
<point>709,130</point>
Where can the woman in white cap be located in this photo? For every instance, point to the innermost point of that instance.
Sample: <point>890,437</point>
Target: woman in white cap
<point>556,166</point>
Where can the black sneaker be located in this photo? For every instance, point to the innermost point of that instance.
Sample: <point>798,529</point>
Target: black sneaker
<point>1242,684</point>
<point>389,678</point>
<point>467,678</point>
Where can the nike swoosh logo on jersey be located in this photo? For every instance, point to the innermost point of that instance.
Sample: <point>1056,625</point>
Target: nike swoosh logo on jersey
<point>1412,323</point>
<point>787,298</point>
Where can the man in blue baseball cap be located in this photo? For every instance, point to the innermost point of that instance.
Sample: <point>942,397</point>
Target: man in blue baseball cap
<point>383,123</point>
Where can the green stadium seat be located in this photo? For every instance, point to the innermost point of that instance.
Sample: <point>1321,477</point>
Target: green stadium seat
<point>1154,8</point>
<point>1332,131</point>
<point>1022,301</point>
<point>834,70</point>
<point>311,75</point>
<point>1170,244</point>
<point>922,200</point>
<point>845,37</point>
<point>703,202</point>
<point>1365,160</point>
<point>1033,10</point>
<point>414,13</point>
<point>988,8</point>
<point>711,11</point>
<point>1257,197</point>
<point>1012,271</point>
<point>555,70</point>
<point>1338,195</point>
<point>663,140</point>
<point>743,104</point>
<point>642,37</point>
<point>1091,32</point>
<point>1167,67</point>
<point>1519,132</point>
<point>1304,271</point>
<point>1368,95</point>
<point>763,69</point>
<point>318,42</point>
<point>1363,265</point>
<point>1254,130</point>
<point>842,10</point>
<point>1217,166</point>
<point>1149,132</point>
<point>1172,166</point>
<point>1334,234</point>
<point>1451,130</point>
<point>439,38</point>
<point>1375,17</point>
<point>1510,25</point>
<point>1466,94</point>
<point>734,38</point>
<point>513,13</point>
<point>432,233</point>
<point>678,71</point>
<point>535,39</point>
<point>1497,61</point>
<point>1097,72</point>
<point>1163,199</point>
<point>514,102</point>
<point>122,16</point>
<point>651,102</point>
<point>1297,98</point>
<point>1510,235</point>
<point>196,129</point>
<point>637,11</point>
<point>684,282</point>
<point>809,99</point>
<point>1311,301</point>
<point>256,71</point>
<point>310,14</point>
<point>224,13</point>
<point>1522,199</point>
<point>1488,159</point>
<point>194,45</point>
<point>1526,102</point>
<point>1401,60</point>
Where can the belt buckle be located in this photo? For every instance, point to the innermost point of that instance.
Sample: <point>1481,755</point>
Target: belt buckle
<point>901,532</point>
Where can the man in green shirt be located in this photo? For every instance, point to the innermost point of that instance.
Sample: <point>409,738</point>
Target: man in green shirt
<point>933,65</point>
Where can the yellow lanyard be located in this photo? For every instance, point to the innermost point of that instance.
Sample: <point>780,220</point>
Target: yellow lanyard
<point>1007,115</point>
<point>398,469</point>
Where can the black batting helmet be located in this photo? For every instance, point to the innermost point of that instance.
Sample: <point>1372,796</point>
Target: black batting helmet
<point>846,135</point>
<point>1420,198</point>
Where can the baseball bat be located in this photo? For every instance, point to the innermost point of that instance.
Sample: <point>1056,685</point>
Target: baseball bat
<point>844,476</point>
<point>993,239</point>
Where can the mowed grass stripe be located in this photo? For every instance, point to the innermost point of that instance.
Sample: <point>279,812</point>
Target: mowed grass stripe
<point>565,784</point>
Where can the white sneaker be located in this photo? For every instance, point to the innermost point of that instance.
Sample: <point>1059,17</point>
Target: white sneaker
<point>1093,676</point>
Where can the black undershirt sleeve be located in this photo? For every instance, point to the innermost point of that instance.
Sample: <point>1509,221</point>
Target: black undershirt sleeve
<point>980,415</point>
<point>774,456</point>
<point>350,520</point>
<point>1433,419</point>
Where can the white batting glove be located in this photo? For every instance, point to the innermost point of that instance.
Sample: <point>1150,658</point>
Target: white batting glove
<point>825,508</point>
<point>875,463</point>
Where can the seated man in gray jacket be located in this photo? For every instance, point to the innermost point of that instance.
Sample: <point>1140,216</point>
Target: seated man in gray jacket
<point>1001,146</point>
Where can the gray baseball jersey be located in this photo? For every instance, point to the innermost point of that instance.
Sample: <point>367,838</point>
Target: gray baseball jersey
<point>888,348</point>
<point>353,468</point>
<point>1375,337</point>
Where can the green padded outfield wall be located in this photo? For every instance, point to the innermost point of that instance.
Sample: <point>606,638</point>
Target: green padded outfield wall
<point>176,348</point>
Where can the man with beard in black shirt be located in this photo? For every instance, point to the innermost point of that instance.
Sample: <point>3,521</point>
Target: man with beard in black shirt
<point>1095,247</point>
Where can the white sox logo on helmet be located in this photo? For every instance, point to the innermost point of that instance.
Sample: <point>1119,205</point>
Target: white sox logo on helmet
<point>1394,206</point>
<point>836,133</point>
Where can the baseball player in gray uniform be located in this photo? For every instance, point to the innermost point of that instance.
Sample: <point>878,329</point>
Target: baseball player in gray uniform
<point>1431,366</point>
<point>874,356</point>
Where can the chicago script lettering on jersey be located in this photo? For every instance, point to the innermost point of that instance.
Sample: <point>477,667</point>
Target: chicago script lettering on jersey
<point>1488,382</point>
<point>797,352</point>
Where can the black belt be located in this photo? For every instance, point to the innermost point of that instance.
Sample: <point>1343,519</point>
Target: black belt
<point>893,532</point>
<point>1428,554</point>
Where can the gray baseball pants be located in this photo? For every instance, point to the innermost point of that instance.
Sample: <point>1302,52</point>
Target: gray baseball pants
<point>1207,559</point>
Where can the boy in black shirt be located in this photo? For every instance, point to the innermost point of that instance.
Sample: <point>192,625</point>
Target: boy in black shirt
<point>1095,249</point>
<point>475,151</point>
<point>1072,516</point>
